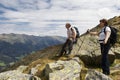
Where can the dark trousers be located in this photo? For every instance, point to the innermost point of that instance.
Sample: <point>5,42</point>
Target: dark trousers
<point>68,46</point>
<point>105,60</point>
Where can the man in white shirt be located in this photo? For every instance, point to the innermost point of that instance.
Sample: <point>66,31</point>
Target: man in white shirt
<point>71,33</point>
<point>71,37</point>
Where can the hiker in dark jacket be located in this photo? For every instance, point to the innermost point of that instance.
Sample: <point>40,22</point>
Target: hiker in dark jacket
<point>71,38</point>
<point>104,35</point>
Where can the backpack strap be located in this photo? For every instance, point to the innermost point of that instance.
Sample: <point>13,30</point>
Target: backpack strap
<point>72,30</point>
<point>105,30</point>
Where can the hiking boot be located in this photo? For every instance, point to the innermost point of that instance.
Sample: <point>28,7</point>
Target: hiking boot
<point>67,53</point>
<point>61,53</point>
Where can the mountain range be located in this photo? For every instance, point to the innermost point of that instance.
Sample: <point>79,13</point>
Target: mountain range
<point>15,46</point>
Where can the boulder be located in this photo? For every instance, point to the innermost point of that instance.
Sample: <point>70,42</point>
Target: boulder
<point>63,70</point>
<point>91,58</point>
<point>34,70</point>
<point>16,75</point>
<point>21,68</point>
<point>95,75</point>
<point>88,49</point>
<point>115,70</point>
<point>117,66</point>
<point>117,52</point>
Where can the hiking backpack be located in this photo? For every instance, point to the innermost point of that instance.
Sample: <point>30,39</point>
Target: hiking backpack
<point>113,36</point>
<point>77,32</point>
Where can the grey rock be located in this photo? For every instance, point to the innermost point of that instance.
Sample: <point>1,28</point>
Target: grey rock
<point>63,70</point>
<point>88,49</point>
<point>94,57</point>
<point>21,68</point>
<point>16,75</point>
<point>34,70</point>
<point>95,75</point>
<point>117,52</point>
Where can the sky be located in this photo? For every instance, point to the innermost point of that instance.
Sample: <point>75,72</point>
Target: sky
<point>48,17</point>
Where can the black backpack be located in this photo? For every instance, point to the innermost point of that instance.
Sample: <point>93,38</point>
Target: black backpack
<point>113,36</point>
<point>77,32</point>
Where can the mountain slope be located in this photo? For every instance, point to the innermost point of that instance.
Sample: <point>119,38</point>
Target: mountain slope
<point>15,46</point>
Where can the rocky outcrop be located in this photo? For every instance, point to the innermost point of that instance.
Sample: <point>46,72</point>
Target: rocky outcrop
<point>16,75</point>
<point>34,70</point>
<point>94,57</point>
<point>117,66</point>
<point>88,49</point>
<point>95,75</point>
<point>117,52</point>
<point>21,68</point>
<point>63,70</point>
<point>115,70</point>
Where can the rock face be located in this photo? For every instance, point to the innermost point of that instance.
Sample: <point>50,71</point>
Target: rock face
<point>95,75</point>
<point>117,66</point>
<point>94,58</point>
<point>16,75</point>
<point>63,70</point>
<point>34,70</point>
<point>115,70</point>
<point>21,68</point>
<point>117,52</point>
<point>88,49</point>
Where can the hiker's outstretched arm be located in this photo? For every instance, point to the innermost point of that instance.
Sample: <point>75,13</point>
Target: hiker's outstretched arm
<point>93,33</point>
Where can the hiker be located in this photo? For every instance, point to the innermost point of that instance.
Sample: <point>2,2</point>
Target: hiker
<point>104,41</point>
<point>71,38</point>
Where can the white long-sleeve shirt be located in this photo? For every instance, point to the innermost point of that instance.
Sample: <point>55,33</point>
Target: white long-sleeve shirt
<point>70,33</point>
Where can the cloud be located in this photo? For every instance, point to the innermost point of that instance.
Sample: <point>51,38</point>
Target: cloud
<point>48,17</point>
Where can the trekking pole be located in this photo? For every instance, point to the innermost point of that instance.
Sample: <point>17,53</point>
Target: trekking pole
<point>81,43</point>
